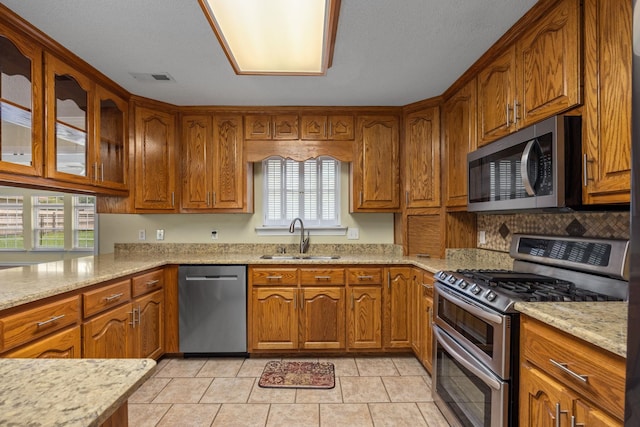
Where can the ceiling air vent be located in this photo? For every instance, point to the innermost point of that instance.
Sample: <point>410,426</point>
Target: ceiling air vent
<point>153,77</point>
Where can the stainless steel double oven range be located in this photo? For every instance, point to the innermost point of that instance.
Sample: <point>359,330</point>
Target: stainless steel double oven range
<point>476,328</point>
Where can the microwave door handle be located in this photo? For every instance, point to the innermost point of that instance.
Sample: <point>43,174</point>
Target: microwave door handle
<point>485,377</point>
<point>524,173</point>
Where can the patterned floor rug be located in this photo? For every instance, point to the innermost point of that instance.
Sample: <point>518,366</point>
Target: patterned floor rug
<point>298,375</point>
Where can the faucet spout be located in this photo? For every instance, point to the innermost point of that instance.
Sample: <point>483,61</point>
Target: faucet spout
<point>304,243</point>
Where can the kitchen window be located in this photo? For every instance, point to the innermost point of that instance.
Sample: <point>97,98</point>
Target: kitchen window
<point>48,222</point>
<point>309,190</point>
<point>11,222</point>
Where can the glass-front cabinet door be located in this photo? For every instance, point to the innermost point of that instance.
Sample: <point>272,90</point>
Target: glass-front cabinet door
<point>21,113</point>
<point>69,124</point>
<point>109,166</point>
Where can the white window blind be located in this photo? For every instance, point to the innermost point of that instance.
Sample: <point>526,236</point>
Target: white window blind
<point>11,222</point>
<point>309,190</point>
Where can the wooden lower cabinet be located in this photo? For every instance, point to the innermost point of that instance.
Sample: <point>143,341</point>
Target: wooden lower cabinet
<point>274,320</point>
<point>422,317</point>
<point>65,344</point>
<point>150,328</point>
<point>397,310</point>
<point>109,335</point>
<point>322,318</point>
<point>550,393</point>
<point>364,317</point>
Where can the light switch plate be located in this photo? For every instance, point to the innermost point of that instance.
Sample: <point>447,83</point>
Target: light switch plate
<point>159,234</point>
<point>353,233</point>
<point>142,235</point>
<point>482,237</point>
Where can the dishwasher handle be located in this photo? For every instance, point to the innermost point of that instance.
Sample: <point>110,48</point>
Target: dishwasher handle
<point>211,278</point>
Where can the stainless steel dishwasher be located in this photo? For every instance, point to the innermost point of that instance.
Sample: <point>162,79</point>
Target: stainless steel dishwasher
<point>212,302</point>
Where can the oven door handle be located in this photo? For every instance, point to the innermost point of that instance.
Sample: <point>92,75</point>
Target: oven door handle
<point>448,344</point>
<point>469,306</point>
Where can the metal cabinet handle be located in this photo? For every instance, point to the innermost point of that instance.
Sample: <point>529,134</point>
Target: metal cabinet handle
<point>133,318</point>
<point>173,199</point>
<point>563,367</point>
<point>515,112</point>
<point>49,321</point>
<point>139,316</point>
<point>389,280</point>
<point>207,199</point>
<point>361,199</point>
<point>585,170</point>
<point>323,277</point>
<point>558,413</point>
<point>508,114</point>
<point>112,298</point>
<point>365,277</point>
<point>101,172</point>
<point>427,285</point>
<point>152,283</point>
<point>214,198</point>
<point>95,171</point>
<point>352,301</point>
<point>274,277</point>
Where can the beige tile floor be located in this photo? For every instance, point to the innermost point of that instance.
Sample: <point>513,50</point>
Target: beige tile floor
<point>369,391</point>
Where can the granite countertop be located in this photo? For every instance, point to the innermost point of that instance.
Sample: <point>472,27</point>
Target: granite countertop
<point>69,392</point>
<point>600,323</point>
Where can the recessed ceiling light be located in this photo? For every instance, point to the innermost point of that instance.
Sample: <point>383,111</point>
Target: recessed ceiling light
<point>279,37</point>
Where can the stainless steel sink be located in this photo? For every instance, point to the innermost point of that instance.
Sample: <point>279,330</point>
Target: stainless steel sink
<point>310,257</point>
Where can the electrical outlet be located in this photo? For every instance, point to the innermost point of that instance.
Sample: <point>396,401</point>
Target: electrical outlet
<point>142,235</point>
<point>159,234</point>
<point>482,237</point>
<point>214,234</point>
<point>353,233</point>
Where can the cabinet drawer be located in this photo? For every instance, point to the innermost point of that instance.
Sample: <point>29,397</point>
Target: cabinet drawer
<point>427,284</point>
<point>274,276</point>
<point>321,276</point>
<point>25,326</point>
<point>63,344</point>
<point>147,282</point>
<point>364,276</point>
<point>605,372</point>
<point>106,297</point>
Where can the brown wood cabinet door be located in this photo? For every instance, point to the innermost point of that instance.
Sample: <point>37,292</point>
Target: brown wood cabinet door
<point>285,127</point>
<point>375,172</point>
<point>397,318</point>
<point>322,318</point>
<point>607,101</point>
<point>539,395</point>
<point>416,312</point>
<point>70,117</point>
<point>426,308</point>
<point>459,127</point>
<point>61,345</point>
<point>341,128</point>
<point>155,160</point>
<point>150,327</point>
<point>229,171</point>
<point>422,172</point>
<point>496,95</point>
<point>274,319</point>
<point>364,317</point>
<point>109,335</point>
<point>257,127</point>
<point>314,127</point>
<point>110,164</point>
<point>24,58</point>
<point>588,415</point>
<point>549,73</point>
<point>197,161</point>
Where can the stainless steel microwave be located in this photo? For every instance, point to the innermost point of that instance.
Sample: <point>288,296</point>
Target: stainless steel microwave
<point>537,167</point>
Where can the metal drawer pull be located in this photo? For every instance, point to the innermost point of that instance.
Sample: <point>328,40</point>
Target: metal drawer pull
<point>563,367</point>
<point>113,297</point>
<point>151,283</point>
<point>274,277</point>
<point>427,285</point>
<point>47,322</point>
<point>558,413</point>
<point>133,318</point>
<point>323,277</point>
<point>365,277</point>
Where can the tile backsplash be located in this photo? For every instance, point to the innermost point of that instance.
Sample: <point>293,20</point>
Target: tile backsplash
<point>499,228</point>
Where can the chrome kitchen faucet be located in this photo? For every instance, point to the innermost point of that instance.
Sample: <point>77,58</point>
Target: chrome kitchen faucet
<point>304,243</point>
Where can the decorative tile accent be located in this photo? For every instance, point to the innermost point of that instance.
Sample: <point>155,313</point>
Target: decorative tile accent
<point>504,230</point>
<point>575,228</point>
<point>610,224</point>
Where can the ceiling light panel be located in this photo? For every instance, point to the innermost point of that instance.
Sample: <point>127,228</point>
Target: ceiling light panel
<point>275,36</point>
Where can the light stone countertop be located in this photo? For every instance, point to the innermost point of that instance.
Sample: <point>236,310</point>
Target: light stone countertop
<point>600,323</point>
<point>67,392</point>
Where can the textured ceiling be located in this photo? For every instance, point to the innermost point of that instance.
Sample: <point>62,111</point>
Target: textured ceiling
<point>386,52</point>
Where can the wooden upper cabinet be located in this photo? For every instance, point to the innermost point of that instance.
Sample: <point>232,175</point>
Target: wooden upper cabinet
<point>496,94</point>
<point>70,125</point>
<point>548,65</point>
<point>109,164</point>
<point>155,180</point>
<point>320,127</point>
<point>21,101</point>
<point>538,76</point>
<point>214,173</point>
<point>459,138</point>
<point>375,181</point>
<point>422,154</point>
<point>606,134</point>
<point>271,127</point>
